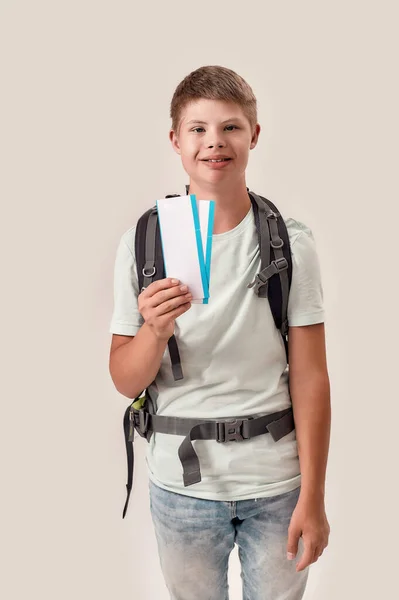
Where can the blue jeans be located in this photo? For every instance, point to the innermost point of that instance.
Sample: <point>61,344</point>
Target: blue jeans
<point>195,538</point>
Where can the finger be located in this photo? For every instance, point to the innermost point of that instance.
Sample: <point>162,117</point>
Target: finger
<point>316,554</point>
<point>161,284</point>
<point>173,314</point>
<point>292,544</point>
<point>170,305</point>
<point>165,295</point>
<point>307,556</point>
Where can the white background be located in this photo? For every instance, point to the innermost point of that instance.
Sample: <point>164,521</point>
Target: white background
<point>86,88</point>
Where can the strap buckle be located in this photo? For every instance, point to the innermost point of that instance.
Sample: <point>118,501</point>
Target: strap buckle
<point>257,282</point>
<point>281,263</point>
<point>227,431</point>
<point>141,418</point>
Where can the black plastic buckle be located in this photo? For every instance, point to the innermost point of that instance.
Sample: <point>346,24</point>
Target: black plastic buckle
<point>228,431</point>
<point>141,418</point>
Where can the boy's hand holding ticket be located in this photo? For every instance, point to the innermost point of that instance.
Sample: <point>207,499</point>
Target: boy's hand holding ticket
<point>161,303</point>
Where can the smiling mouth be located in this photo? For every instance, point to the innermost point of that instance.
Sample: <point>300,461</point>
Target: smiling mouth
<point>216,161</point>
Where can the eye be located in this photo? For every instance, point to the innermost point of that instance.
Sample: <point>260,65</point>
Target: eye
<point>234,126</point>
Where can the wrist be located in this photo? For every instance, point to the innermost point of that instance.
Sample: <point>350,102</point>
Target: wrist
<point>312,492</point>
<point>159,337</point>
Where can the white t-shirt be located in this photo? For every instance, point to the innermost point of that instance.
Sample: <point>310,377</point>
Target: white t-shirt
<point>233,361</point>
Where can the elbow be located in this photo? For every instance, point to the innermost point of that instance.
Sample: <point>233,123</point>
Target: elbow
<point>125,392</point>
<point>121,386</point>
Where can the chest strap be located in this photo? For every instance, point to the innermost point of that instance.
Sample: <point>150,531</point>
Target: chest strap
<point>278,424</point>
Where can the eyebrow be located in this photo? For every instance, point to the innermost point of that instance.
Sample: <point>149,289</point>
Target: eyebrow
<point>205,123</point>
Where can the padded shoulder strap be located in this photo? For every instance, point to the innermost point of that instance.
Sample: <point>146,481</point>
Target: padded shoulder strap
<point>275,259</point>
<point>148,249</point>
<point>150,267</point>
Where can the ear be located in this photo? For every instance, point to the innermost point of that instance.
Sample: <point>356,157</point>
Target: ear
<point>174,141</point>
<point>255,136</point>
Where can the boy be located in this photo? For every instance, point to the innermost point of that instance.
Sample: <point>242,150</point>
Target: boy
<point>256,492</point>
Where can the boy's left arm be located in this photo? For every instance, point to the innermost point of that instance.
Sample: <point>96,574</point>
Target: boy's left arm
<point>310,393</point>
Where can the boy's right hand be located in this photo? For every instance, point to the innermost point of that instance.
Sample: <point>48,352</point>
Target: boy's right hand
<point>161,303</point>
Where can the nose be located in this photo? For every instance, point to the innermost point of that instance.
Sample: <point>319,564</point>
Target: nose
<point>215,139</point>
<point>218,144</point>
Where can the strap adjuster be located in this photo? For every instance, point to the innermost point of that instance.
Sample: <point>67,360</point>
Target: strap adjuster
<point>281,263</point>
<point>227,431</point>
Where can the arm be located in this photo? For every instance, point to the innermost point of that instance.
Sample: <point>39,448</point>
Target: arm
<point>134,361</point>
<point>310,394</point>
<point>142,322</point>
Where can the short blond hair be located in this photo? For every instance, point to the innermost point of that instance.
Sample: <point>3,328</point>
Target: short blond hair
<point>214,83</point>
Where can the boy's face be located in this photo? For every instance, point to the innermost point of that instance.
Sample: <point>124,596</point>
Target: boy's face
<point>212,128</point>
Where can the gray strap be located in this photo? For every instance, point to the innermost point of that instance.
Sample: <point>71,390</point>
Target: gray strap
<point>149,269</point>
<point>277,424</point>
<point>281,427</point>
<point>264,243</point>
<point>277,245</point>
<point>188,456</point>
<point>175,358</point>
<point>149,272</point>
<point>279,264</point>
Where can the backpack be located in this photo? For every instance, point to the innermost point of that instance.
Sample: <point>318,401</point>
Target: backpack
<point>141,415</point>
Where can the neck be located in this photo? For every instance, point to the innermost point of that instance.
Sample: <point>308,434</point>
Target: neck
<point>231,203</point>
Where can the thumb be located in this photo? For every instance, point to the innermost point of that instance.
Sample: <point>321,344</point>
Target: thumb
<point>292,544</point>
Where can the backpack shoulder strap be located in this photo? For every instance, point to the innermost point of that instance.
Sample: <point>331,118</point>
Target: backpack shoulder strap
<point>275,259</point>
<point>150,267</point>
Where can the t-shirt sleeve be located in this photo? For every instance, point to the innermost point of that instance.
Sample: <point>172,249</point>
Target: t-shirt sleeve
<point>305,303</point>
<point>126,318</point>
